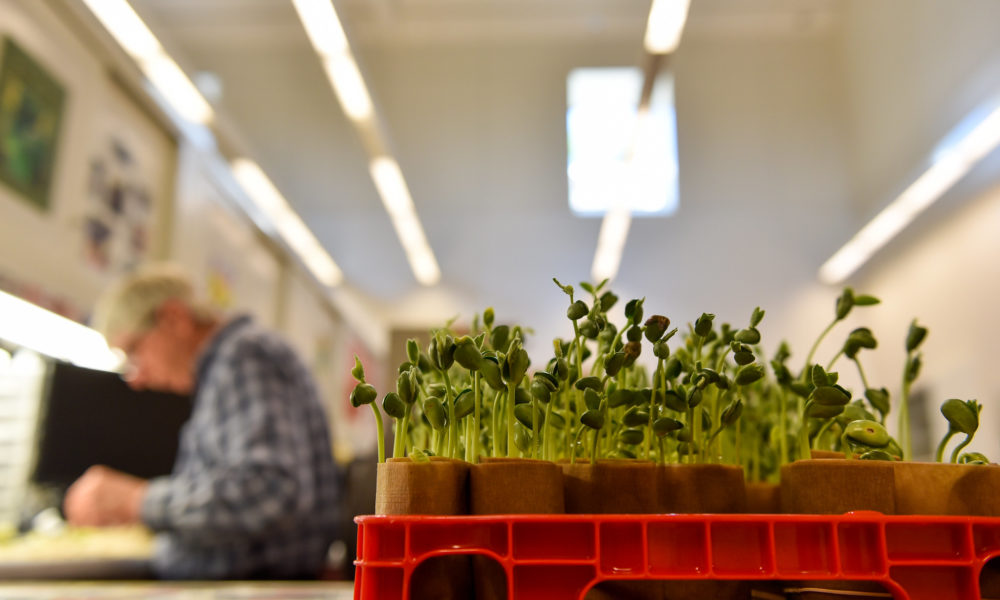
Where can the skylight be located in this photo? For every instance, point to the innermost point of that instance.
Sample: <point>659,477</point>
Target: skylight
<point>613,155</point>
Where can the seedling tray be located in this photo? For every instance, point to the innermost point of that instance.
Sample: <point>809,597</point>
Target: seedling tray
<point>559,557</point>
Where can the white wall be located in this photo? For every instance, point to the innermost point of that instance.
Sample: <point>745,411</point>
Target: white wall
<point>914,69</point>
<point>46,247</point>
<point>220,246</point>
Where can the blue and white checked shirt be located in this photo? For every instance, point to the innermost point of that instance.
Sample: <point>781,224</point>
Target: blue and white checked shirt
<point>254,492</point>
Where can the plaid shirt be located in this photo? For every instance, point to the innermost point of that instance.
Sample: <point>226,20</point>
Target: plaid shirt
<point>254,492</point>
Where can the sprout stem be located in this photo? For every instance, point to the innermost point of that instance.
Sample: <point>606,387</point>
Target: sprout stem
<point>958,448</point>
<point>861,372</point>
<point>815,345</point>
<point>511,394</point>
<point>904,419</point>
<point>593,452</point>
<point>495,434</point>
<point>400,435</point>
<point>833,360</point>
<point>803,430</point>
<point>782,427</point>
<point>576,439</point>
<point>578,342</point>
<point>380,433</point>
<point>535,448</point>
<point>476,426</point>
<point>939,455</point>
<point>662,382</point>
<point>452,421</point>
<point>819,434</point>
<point>547,438</point>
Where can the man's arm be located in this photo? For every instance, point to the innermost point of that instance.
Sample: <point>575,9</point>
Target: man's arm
<point>103,496</point>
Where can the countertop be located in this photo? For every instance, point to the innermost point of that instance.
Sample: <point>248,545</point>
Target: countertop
<point>190,590</point>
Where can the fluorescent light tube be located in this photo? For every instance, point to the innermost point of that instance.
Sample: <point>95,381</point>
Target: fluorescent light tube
<point>611,243</point>
<point>326,34</point>
<point>33,327</point>
<point>666,22</point>
<point>951,165</point>
<point>391,187</point>
<point>350,87</point>
<point>258,186</point>
<point>175,86</point>
<point>121,20</point>
<point>289,226</point>
<point>319,17</point>
<point>128,29</point>
<point>398,203</point>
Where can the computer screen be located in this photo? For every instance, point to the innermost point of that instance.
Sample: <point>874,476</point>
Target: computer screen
<point>91,417</point>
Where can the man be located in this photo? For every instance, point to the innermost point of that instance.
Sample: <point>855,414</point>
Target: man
<point>254,492</point>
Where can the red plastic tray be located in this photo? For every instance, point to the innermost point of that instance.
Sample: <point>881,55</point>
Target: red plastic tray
<point>559,557</point>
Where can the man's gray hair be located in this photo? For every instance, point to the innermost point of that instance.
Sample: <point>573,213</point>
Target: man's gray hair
<point>130,304</point>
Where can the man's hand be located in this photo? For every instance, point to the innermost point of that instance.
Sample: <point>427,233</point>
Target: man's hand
<point>103,496</point>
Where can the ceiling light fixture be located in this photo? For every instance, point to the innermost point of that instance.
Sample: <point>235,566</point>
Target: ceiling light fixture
<point>33,327</point>
<point>611,243</point>
<point>289,226</point>
<point>132,34</point>
<point>323,26</point>
<point>319,18</point>
<point>330,42</point>
<point>395,196</point>
<point>664,26</point>
<point>951,164</point>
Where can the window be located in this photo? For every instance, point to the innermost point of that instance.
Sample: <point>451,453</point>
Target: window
<point>613,155</point>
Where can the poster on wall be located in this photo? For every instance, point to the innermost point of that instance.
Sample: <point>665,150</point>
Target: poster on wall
<point>31,107</point>
<point>119,211</point>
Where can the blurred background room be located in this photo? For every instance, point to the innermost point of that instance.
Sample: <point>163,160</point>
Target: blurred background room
<point>355,178</point>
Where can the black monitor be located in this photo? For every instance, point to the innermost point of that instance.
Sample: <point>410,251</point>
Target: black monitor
<point>91,417</point>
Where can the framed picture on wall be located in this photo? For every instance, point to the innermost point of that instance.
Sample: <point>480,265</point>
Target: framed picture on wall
<point>31,107</point>
<point>119,208</point>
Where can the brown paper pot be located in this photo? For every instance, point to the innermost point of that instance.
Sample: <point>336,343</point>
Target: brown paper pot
<point>438,487</point>
<point>947,489</point>
<point>701,489</point>
<point>832,486</point>
<point>508,486</point>
<point>836,486</point>
<point>515,486</point>
<point>763,497</point>
<point>610,487</point>
<point>613,487</point>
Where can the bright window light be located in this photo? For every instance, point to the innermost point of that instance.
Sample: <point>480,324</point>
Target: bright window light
<point>613,155</point>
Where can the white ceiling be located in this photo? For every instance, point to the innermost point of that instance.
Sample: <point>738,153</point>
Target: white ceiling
<point>471,98</point>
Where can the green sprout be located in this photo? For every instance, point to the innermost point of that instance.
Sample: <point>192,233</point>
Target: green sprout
<point>914,337</point>
<point>364,393</point>
<point>963,417</point>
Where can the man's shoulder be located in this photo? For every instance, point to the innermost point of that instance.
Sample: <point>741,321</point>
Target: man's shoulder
<point>248,338</point>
